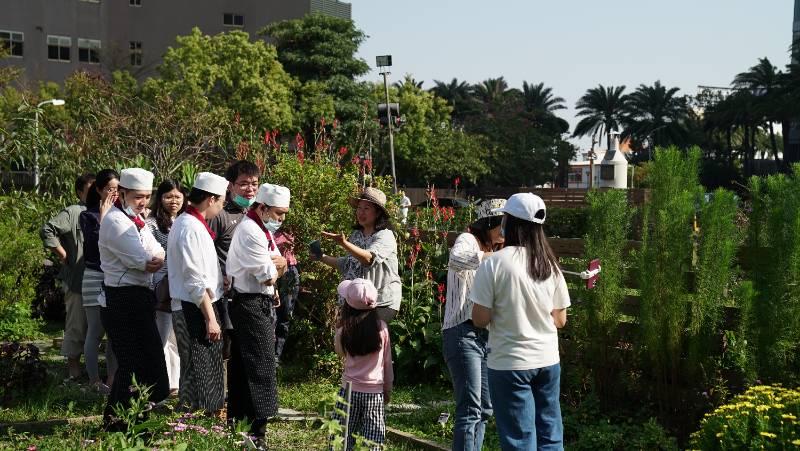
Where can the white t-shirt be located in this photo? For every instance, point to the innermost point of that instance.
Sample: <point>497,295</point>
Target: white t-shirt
<point>522,334</point>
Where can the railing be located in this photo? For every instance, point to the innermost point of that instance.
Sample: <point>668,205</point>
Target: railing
<point>553,197</point>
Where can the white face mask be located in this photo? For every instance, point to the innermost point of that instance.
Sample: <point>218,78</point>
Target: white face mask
<point>272,225</point>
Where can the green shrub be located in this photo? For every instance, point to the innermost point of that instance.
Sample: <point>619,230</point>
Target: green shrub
<point>774,237</point>
<point>764,417</point>
<point>21,261</point>
<point>568,222</point>
<point>606,237</point>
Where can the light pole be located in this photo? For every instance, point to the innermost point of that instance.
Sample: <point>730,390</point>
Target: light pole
<point>54,102</point>
<point>651,141</point>
<point>384,62</point>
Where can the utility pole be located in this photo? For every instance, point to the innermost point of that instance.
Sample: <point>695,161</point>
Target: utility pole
<point>384,62</point>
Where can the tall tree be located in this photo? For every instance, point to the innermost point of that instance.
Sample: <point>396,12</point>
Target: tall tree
<point>763,80</point>
<point>540,99</point>
<point>602,110</point>
<point>229,71</point>
<point>458,95</point>
<point>491,94</point>
<point>656,114</point>
<point>323,49</point>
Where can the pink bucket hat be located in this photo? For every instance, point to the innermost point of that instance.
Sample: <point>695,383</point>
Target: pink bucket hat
<point>360,294</point>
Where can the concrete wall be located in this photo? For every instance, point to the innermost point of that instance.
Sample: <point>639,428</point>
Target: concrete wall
<point>155,24</point>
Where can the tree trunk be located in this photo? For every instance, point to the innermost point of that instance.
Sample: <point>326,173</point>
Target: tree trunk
<point>729,140</point>
<point>774,143</point>
<point>746,151</point>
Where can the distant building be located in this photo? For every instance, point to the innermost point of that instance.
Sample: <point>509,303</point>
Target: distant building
<point>51,39</point>
<point>608,169</point>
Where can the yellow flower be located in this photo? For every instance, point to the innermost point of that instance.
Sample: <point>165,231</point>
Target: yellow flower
<point>788,416</point>
<point>762,408</point>
<point>719,434</point>
<point>767,434</point>
<point>796,442</point>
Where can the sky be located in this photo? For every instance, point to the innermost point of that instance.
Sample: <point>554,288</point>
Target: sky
<point>573,45</point>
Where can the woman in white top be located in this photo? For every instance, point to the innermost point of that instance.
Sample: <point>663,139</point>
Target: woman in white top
<point>464,345</point>
<point>195,284</point>
<point>170,201</point>
<point>521,294</point>
<point>129,255</point>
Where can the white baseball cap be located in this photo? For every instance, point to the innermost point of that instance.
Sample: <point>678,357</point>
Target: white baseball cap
<point>273,195</point>
<point>211,183</point>
<point>136,179</point>
<point>525,206</point>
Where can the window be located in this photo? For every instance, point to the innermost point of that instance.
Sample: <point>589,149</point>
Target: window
<point>137,3</point>
<point>233,20</point>
<point>575,176</point>
<point>11,42</point>
<point>606,172</point>
<point>136,53</point>
<point>89,51</point>
<point>58,48</point>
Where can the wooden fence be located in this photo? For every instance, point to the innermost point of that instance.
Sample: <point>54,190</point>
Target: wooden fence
<point>553,197</point>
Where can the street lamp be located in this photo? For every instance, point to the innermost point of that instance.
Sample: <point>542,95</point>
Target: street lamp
<point>383,62</point>
<point>54,102</point>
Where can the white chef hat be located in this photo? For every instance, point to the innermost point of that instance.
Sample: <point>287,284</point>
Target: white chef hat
<point>136,179</point>
<point>211,183</point>
<point>273,195</point>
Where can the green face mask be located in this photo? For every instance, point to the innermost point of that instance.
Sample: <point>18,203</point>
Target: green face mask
<point>243,201</point>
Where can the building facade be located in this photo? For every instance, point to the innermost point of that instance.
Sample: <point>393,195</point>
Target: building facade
<point>51,39</point>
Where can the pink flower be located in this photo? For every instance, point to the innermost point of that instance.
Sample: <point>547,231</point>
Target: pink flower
<point>457,181</point>
<point>342,151</point>
<point>32,448</point>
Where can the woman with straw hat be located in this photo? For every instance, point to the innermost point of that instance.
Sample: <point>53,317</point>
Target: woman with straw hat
<point>371,251</point>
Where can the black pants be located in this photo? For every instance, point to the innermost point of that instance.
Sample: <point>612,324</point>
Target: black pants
<point>129,320</point>
<point>289,289</point>
<point>252,384</point>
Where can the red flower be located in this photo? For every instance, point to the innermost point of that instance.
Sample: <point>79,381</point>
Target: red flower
<point>342,151</point>
<point>301,156</point>
<point>457,181</point>
<point>267,137</point>
<point>356,160</point>
<point>441,296</point>
<point>368,163</point>
<point>322,122</point>
<point>237,119</point>
<point>429,275</point>
<point>415,232</point>
<point>301,143</point>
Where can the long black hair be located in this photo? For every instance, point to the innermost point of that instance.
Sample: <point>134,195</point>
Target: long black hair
<point>100,182</point>
<point>164,220</point>
<point>480,229</point>
<point>542,262</point>
<point>360,331</point>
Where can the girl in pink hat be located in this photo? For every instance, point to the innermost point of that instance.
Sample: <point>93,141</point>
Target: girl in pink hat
<point>363,340</point>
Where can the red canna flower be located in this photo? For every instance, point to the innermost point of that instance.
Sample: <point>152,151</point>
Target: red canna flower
<point>356,160</point>
<point>457,181</point>
<point>267,137</point>
<point>342,151</point>
<point>415,232</point>
<point>368,163</point>
<point>301,143</point>
<point>301,156</point>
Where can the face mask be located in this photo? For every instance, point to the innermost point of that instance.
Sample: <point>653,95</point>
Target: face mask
<point>272,225</point>
<point>243,201</point>
<point>129,211</point>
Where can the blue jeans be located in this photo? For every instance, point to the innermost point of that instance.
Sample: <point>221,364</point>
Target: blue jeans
<point>465,350</point>
<point>529,416</point>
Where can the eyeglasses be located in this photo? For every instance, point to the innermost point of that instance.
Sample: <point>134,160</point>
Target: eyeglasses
<point>247,185</point>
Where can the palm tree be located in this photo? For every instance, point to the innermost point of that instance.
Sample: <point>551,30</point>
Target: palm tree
<point>540,99</point>
<point>764,81</point>
<point>408,82</point>
<point>602,110</point>
<point>457,94</point>
<point>491,93</point>
<point>656,114</point>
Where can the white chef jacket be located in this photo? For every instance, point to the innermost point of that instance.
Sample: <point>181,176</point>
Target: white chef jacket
<point>193,265</point>
<point>125,250</point>
<point>250,259</point>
